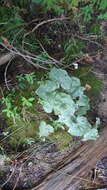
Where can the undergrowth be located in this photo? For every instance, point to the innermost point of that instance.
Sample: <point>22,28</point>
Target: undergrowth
<point>64,109</point>
<point>15,17</point>
<point>53,43</point>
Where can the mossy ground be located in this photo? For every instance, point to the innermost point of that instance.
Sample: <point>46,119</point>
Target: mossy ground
<point>86,76</point>
<point>25,129</point>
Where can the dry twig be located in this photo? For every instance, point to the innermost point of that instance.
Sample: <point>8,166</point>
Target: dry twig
<point>28,57</point>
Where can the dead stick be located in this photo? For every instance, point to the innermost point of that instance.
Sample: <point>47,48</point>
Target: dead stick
<point>5,58</point>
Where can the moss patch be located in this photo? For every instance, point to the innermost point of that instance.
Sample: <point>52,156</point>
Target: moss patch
<point>62,138</point>
<point>23,130</point>
<point>87,77</point>
<point>26,127</point>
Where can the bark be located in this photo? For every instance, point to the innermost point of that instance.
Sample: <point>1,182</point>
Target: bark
<point>61,170</point>
<point>77,167</point>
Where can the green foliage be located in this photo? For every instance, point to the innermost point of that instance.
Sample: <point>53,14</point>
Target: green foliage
<point>72,49</point>
<point>60,94</point>
<point>49,5</point>
<point>88,9</point>
<point>87,12</point>
<point>13,23</point>
<point>12,27</point>
<point>30,78</point>
<point>21,3</point>
<point>64,96</point>
<point>20,113</point>
<point>25,80</point>
<point>10,110</point>
<point>103,16</point>
<point>102,4</point>
<point>74,8</point>
<point>95,28</point>
<point>12,20</point>
<point>27,101</point>
<point>94,7</point>
<point>88,77</point>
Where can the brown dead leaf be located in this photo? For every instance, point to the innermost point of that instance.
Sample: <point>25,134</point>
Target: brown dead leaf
<point>5,40</point>
<point>87,59</point>
<point>88,87</point>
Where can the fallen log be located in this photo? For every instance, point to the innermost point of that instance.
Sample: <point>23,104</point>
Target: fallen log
<point>77,166</point>
<point>47,169</point>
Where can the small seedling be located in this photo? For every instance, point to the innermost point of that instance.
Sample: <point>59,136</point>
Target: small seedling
<point>28,102</point>
<point>10,110</point>
<point>26,77</point>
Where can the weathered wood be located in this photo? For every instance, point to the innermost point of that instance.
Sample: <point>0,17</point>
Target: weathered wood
<point>43,161</point>
<point>49,170</point>
<point>76,167</point>
<point>5,58</point>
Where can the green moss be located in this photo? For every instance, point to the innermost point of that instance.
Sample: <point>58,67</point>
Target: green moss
<point>72,49</point>
<point>62,138</point>
<point>21,132</point>
<point>87,77</point>
<point>27,126</point>
<point>95,28</point>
